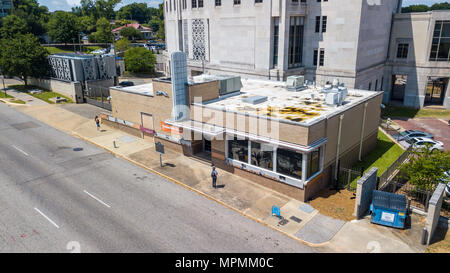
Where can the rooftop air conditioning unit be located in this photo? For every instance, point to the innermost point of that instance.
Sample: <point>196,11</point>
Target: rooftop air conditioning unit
<point>295,83</point>
<point>230,85</point>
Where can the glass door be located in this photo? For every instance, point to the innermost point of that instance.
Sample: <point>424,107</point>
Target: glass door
<point>435,91</point>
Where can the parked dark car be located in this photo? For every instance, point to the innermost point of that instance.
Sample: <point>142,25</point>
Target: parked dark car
<point>126,83</point>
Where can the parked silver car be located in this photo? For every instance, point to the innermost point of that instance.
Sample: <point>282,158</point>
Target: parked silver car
<point>421,142</point>
<point>409,134</point>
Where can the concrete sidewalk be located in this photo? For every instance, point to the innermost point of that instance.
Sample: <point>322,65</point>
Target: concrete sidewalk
<point>299,220</point>
<point>28,99</point>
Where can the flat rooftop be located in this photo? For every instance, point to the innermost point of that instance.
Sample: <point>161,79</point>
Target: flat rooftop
<point>292,107</point>
<point>143,89</point>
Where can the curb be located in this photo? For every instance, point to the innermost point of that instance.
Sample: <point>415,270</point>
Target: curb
<point>201,193</point>
<point>13,104</point>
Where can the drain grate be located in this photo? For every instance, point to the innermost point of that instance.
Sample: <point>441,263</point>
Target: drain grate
<point>283,222</point>
<point>295,219</point>
<point>25,125</point>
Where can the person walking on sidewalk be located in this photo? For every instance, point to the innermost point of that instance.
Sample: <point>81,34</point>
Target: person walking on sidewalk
<point>97,121</point>
<point>214,176</point>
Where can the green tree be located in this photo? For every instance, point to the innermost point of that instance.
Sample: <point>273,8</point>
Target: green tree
<point>154,24</point>
<point>139,12</point>
<point>12,25</point>
<point>161,31</point>
<point>103,33</point>
<point>35,15</point>
<point>130,33</point>
<point>105,8</point>
<point>23,56</point>
<point>86,24</point>
<point>63,27</point>
<point>426,168</point>
<point>440,6</point>
<point>139,60</point>
<point>122,45</point>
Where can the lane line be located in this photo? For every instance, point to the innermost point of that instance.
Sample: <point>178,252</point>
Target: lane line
<point>97,199</point>
<point>20,150</point>
<point>46,217</point>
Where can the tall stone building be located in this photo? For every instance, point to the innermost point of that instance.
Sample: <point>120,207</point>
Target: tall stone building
<point>273,39</point>
<point>418,66</point>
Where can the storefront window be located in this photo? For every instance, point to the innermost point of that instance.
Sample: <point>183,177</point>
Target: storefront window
<point>313,163</point>
<point>238,150</point>
<point>289,163</point>
<point>262,155</point>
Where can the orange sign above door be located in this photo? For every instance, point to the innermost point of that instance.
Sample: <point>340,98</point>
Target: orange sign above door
<point>171,129</point>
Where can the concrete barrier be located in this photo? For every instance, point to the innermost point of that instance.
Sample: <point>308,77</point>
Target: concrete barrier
<point>365,186</point>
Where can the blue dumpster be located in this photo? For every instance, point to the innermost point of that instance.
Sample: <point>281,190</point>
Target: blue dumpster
<point>388,209</point>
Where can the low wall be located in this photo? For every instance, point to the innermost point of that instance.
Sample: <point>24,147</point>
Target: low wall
<point>72,90</point>
<point>364,189</point>
<point>434,211</point>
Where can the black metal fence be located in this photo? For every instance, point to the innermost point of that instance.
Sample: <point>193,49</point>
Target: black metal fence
<point>393,169</point>
<point>419,198</point>
<point>347,178</point>
<point>97,95</point>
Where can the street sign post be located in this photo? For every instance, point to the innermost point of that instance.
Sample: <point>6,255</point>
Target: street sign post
<point>160,149</point>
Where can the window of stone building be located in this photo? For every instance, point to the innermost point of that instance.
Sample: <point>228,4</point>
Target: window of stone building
<point>218,3</point>
<point>440,47</point>
<point>194,3</point>
<point>236,2</point>
<point>295,55</point>
<point>276,29</point>
<point>402,51</point>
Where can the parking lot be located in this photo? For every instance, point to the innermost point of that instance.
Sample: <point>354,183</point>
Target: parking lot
<point>437,127</point>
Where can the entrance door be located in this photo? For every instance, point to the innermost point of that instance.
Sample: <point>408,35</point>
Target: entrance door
<point>147,124</point>
<point>435,91</point>
<point>398,87</point>
<point>207,145</point>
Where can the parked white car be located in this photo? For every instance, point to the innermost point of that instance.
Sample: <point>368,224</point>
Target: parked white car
<point>409,134</point>
<point>421,142</point>
<point>447,180</point>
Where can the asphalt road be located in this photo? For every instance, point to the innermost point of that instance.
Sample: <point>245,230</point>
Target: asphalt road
<point>61,194</point>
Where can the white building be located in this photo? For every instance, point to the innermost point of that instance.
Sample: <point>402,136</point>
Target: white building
<point>272,39</point>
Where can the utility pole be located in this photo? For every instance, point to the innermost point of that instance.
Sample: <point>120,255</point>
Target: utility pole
<point>74,49</point>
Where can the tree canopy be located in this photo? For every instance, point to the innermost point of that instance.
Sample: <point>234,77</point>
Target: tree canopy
<point>63,27</point>
<point>139,12</point>
<point>425,8</point>
<point>103,33</point>
<point>130,33</point>
<point>139,60</point>
<point>12,25</point>
<point>23,56</point>
<point>425,169</point>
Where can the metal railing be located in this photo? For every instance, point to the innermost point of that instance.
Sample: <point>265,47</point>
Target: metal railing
<point>392,170</point>
<point>419,198</point>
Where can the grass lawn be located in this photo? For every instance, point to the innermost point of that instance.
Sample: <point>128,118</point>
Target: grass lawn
<point>45,95</point>
<point>17,101</point>
<point>2,95</point>
<point>398,111</point>
<point>54,50</point>
<point>384,154</point>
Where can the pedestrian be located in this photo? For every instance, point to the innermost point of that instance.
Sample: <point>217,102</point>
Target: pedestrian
<point>214,176</point>
<point>97,121</point>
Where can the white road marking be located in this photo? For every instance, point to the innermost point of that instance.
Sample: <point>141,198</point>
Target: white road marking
<point>97,199</point>
<point>20,150</point>
<point>46,217</point>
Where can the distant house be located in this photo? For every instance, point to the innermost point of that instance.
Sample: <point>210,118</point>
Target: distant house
<point>146,31</point>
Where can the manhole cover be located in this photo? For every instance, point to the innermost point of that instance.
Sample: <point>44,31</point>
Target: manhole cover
<point>283,222</point>
<point>25,125</point>
<point>295,219</point>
